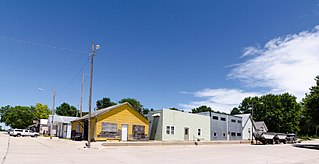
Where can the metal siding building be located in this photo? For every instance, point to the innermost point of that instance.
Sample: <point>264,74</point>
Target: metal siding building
<point>61,125</point>
<point>171,125</point>
<point>224,127</point>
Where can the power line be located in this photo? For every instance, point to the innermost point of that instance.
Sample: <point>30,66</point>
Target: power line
<point>38,44</point>
<point>72,80</point>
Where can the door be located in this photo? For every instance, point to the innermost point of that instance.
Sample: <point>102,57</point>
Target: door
<point>154,127</point>
<point>186,134</point>
<point>124,132</point>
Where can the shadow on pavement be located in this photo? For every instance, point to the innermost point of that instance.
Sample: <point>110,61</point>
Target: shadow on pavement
<point>308,146</point>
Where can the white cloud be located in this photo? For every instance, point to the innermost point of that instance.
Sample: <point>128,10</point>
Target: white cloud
<point>287,64</point>
<point>284,64</point>
<point>248,51</point>
<point>218,99</point>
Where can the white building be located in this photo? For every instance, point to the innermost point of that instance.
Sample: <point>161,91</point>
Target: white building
<point>247,126</point>
<point>43,126</point>
<point>171,125</point>
<point>61,125</point>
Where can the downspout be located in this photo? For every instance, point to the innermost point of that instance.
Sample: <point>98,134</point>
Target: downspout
<point>227,133</point>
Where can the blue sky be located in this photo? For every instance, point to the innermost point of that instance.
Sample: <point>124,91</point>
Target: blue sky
<point>168,53</point>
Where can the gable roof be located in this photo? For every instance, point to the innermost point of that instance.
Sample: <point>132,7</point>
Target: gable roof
<point>103,110</point>
<point>245,118</point>
<point>259,124</point>
<point>60,119</point>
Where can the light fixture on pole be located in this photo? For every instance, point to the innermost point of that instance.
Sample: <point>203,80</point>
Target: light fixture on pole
<point>53,103</point>
<point>90,96</point>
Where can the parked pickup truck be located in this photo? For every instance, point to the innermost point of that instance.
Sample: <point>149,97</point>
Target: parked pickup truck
<point>23,132</point>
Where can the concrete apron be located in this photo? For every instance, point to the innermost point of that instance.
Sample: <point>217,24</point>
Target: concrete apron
<point>168,143</point>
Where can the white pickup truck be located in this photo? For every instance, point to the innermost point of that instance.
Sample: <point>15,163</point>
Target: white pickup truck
<point>23,132</point>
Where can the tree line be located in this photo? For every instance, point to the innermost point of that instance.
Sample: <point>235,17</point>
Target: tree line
<point>280,112</point>
<point>23,116</point>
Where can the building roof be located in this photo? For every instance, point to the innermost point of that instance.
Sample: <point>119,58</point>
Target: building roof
<point>61,119</point>
<point>260,124</point>
<point>102,111</point>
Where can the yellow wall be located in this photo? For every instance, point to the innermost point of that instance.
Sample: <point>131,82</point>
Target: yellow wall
<point>122,115</point>
<point>75,124</point>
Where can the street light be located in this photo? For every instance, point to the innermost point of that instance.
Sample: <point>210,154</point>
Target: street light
<point>90,96</point>
<point>53,103</point>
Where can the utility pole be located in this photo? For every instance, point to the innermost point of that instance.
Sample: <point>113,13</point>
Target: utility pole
<point>53,102</point>
<point>90,96</point>
<point>82,89</point>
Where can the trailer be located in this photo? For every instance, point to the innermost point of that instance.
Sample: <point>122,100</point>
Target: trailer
<point>264,137</point>
<point>280,138</point>
<point>274,138</point>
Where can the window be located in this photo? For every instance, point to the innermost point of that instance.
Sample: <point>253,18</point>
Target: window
<point>109,130</point>
<point>232,120</point>
<point>199,132</point>
<point>215,117</point>
<point>224,134</point>
<point>238,134</point>
<point>172,129</point>
<point>223,118</point>
<point>109,127</point>
<point>168,129</point>
<point>239,121</point>
<point>215,134</point>
<point>186,131</point>
<point>233,134</point>
<point>138,131</point>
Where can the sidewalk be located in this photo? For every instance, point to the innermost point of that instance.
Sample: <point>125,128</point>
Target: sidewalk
<point>169,143</point>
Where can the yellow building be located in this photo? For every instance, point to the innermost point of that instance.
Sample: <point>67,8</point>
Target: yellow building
<point>118,122</point>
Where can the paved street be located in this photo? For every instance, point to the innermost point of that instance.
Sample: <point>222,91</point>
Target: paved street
<point>44,150</point>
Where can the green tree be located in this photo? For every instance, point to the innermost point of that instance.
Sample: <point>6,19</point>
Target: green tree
<point>146,110</point>
<point>281,113</point>
<point>176,109</point>
<point>235,111</point>
<point>66,110</point>
<point>134,103</point>
<point>202,108</point>
<point>3,112</point>
<point>310,115</point>
<point>104,103</point>
<point>43,111</point>
<point>20,116</point>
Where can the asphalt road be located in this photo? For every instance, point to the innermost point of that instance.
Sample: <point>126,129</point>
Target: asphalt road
<point>44,150</point>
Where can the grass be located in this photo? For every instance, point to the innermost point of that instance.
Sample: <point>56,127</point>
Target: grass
<point>308,138</point>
